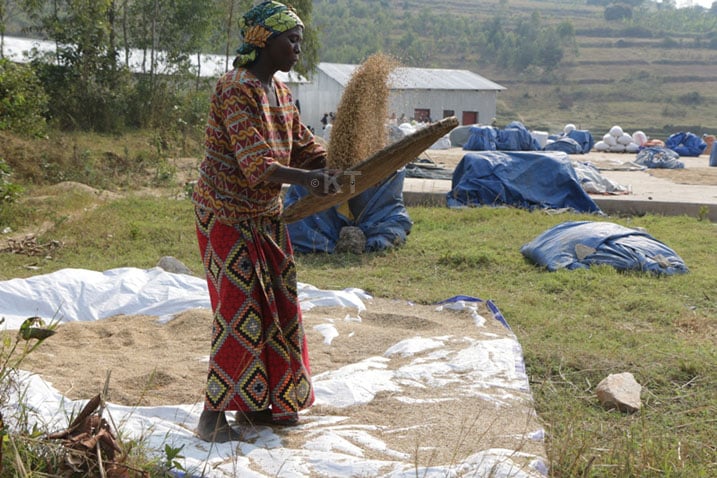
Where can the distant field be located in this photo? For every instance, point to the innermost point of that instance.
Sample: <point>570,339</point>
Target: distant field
<point>614,79</point>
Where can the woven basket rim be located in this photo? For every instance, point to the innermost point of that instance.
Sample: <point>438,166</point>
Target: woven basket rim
<point>373,169</point>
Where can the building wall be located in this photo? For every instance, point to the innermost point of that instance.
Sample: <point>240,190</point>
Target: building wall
<point>322,95</point>
<point>438,101</point>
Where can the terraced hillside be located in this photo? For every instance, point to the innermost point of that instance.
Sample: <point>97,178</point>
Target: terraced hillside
<point>656,71</point>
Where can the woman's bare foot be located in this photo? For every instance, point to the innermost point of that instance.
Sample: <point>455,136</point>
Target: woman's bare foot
<point>253,418</point>
<point>213,427</point>
<point>264,417</point>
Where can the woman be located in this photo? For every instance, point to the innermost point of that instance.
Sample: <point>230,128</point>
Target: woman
<point>255,142</point>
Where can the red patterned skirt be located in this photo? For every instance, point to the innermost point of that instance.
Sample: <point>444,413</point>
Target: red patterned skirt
<point>259,356</point>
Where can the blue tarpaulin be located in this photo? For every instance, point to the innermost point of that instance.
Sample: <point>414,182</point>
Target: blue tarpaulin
<point>564,144</point>
<point>482,138</point>
<point>686,144</point>
<point>379,212</point>
<point>526,180</point>
<point>577,141</point>
<point>580,244</point>
<point>584,138</point>
<point>514,137</point>
<point>657,157</point>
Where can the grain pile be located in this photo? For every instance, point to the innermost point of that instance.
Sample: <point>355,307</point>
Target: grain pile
<point>359,128</point>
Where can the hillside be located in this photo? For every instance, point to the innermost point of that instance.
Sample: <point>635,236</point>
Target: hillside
<point>656,72</point>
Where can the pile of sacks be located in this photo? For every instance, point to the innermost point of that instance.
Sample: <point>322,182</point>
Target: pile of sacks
<point>618,141</point>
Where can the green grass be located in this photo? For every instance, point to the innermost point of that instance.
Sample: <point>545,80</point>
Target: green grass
<point>575,327</point>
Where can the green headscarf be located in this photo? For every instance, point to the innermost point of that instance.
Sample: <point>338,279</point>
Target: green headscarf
<point>264,21</point>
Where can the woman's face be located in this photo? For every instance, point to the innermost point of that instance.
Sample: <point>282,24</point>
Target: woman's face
<point>284,50</point>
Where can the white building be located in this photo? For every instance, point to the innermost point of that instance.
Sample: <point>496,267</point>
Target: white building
<point>417,93</point>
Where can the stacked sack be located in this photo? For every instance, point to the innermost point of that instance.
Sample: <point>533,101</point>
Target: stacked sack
<point>618,141</point>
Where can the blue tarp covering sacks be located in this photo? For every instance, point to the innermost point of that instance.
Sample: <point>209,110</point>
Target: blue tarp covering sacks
<point>482,138</point>
<point>379,211</point>
<point>580,244</point>
<point>656,157</point>
<point>577,141</point>
<point>515,137</point>
<point>584,138</point>
<point>564,144</point>
<point>526,180</point>
<point>686,144</point>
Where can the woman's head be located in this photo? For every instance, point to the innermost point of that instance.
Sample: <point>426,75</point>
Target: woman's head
<point>263,23</point>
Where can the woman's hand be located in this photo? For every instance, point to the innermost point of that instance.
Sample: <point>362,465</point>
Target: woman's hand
<point>319,182</point>
<point>317,163</point>
<point>323,182</point>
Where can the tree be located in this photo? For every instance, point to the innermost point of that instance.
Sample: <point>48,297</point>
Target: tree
<point>618,12</point>
<point>310,48</point>
<point>84,81</point>
<point>8,10</point>
<point>23,101</point>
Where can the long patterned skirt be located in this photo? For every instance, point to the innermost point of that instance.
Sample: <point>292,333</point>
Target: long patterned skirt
<point>259,356</point>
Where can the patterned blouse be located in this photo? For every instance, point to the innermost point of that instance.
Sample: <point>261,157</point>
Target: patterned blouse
<point>245,139</point>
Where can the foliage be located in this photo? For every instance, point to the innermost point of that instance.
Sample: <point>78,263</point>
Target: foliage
<point>9,192</point>
<point>13,352</point>
<point>23,100</point>
<point>354,30</point>
<point>617,12</point>
<point>693,20</point>
<point>88,77</point>
<point>86,85</point>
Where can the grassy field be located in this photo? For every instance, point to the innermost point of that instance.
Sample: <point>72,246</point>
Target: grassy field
<point>575,327</point>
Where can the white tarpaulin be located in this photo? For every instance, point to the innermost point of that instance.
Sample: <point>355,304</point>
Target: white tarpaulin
<point>489,367</point>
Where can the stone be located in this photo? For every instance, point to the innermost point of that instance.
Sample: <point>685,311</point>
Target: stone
<point>174,265</point>
<point>620,391</point>
<point>351,239</point>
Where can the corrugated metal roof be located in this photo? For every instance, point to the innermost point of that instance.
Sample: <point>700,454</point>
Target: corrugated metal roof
<point>418,78</point>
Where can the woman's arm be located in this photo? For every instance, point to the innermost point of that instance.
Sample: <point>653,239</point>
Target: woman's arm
<point>320,182</point>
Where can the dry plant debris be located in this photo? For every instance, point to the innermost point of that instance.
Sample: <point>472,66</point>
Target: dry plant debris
<point>359,128</point>
<point>30,247</point>
<point>91,447</point>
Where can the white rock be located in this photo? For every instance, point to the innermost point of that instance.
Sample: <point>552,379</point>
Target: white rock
<point>620,391</point>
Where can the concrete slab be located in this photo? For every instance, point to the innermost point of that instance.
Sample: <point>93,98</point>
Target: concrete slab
<point>648,193</point>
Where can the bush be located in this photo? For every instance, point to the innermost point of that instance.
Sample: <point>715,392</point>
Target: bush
<point>618,12</point>
<point>95,102</point>
<point>8,191</point>
<point>23,101</point>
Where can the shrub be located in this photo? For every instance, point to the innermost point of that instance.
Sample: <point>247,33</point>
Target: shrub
<point>8,191</point>
<point>23,101</point>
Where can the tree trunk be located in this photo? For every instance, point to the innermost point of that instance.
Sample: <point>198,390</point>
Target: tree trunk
<point>230,19</point>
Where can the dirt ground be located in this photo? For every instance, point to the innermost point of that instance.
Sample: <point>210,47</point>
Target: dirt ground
<point>151,364</point>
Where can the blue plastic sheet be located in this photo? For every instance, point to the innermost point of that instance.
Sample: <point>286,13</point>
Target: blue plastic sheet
<point>686,144</point>
<point>580,244</point>
<point>489,303</point>
<point>482,138</point>
<point>528,180</point>
<point>584,138</point>
<point>656,158</point>
<point>566,145</point>
<point>379,211</point>
<point>514,137</point>
<point>577,141</point>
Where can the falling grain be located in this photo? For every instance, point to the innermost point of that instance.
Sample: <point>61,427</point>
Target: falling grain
<point>359,129</point>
